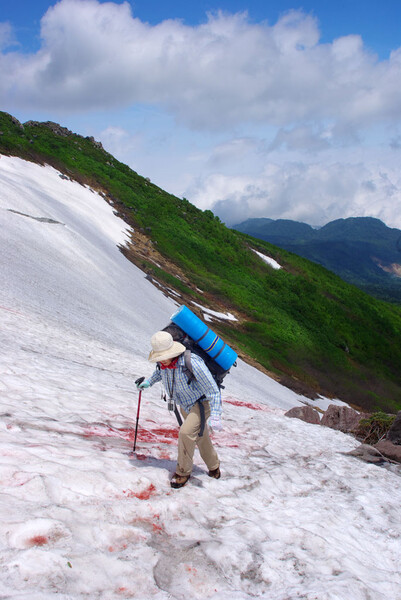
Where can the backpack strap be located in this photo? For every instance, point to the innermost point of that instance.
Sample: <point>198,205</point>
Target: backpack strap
<point>202,415</point>
<point>188,366</point>
<point>177,416</point>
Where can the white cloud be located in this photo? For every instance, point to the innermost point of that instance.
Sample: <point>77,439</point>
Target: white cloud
<point>223,72</point>
<point>302,137</point>
<point>313,193</point>
<point>6,36</point>
<point>247,119</point>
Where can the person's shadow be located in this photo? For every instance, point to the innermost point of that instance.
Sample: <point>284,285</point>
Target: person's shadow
<point>139,460</point>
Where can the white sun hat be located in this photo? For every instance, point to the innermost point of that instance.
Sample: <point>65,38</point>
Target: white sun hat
<point>164,347</point>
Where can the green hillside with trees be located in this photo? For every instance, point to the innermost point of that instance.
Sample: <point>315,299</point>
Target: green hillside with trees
<point>361,250</point>
<point>302,323</point>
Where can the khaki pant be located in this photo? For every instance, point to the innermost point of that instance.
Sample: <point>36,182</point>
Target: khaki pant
<point>189,438</point>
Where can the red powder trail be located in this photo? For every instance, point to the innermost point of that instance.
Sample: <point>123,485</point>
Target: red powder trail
<point>38,540</point>
<point>144,495</point>
<point>244,404</point>
<point>165,435</point>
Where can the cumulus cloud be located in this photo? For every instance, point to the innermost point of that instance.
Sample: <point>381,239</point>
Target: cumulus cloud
<point>246,119</point>
<point>223,72</point>
<point>302,137</point>
<point>314,193</point>
<point>6,36</point>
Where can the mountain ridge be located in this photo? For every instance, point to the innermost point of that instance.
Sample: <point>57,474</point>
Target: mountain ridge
<point>361,250</point>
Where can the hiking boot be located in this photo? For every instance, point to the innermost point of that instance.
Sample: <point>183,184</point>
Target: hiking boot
<point>215,473</point>
<point>178,481</point>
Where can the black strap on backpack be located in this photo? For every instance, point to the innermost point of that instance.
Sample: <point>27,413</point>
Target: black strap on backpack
<point>202,415</point>
<point>177,416</point>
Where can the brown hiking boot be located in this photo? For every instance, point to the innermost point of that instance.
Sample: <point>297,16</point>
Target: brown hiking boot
<point>215,473</point>
<point>178,481</point>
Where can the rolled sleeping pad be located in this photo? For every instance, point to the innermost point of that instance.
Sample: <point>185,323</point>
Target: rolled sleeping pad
<point>205,337</point>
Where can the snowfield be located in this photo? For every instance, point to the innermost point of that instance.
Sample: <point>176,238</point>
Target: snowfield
<point>82,517</point>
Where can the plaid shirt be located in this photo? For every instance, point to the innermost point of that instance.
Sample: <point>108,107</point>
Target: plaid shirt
<point>186,395</point>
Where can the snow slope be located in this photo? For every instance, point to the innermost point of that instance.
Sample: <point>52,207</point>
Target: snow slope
<point>81,516</point>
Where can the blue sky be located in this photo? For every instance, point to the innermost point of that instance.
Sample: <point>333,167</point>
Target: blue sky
<point>275,109</point>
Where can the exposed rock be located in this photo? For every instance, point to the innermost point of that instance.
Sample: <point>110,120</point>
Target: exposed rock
<point>305,413</point>
<point>342,418</point>
<point>394,433</point>
<point>61,131</point>
<point>95,143</point>
<point>54,127</point>
<point>389,450</point>
<point>368,454</point>
<point>16,122</point>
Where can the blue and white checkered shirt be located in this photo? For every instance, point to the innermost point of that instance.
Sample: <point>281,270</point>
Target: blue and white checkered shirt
<point>186,395</point>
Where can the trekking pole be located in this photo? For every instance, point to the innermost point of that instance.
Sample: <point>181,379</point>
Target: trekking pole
<point>137,412</point>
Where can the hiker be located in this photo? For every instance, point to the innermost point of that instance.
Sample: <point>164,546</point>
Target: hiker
<point>198,398</point>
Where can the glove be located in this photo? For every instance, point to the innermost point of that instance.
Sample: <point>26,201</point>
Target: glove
<point>142,383</point>
<point>215,423</point>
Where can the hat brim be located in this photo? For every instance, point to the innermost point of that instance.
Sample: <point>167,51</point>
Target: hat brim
<point>175,350</point>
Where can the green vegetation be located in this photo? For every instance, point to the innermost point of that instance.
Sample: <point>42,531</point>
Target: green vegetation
<point>373,428</point>
<point>361,250</point>
<point>302,322</point>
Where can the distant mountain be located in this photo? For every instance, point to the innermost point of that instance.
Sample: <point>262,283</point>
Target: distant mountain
<point>361,250</point>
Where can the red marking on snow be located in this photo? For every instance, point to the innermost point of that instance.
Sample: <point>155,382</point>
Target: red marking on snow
<point>153,522</point>
<point>165,435</point>
<point>190,569</point>
<point>157,528</point>
<point>141,456</point>
<point>13,311</point>
<point>144,495</point>
<point>164,456</point>
<point>126,592</point>
<point>38,540</point>
<point>107,431</point>
<point>118,548</point>
<point>245,404</point>
<point>225,439</point>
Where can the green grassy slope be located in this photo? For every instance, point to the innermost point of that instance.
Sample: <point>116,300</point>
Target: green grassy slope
<point>302,322</point>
